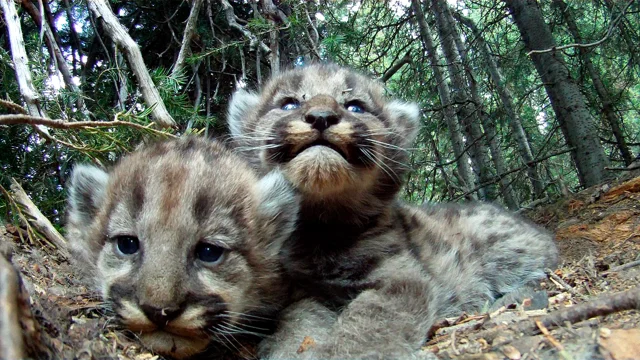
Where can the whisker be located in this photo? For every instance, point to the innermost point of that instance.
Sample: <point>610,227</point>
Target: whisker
<point>384,167</point>
<point>387,145</point>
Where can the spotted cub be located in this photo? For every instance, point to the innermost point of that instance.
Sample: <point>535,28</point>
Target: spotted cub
<point>375,272</point>
<point>181,238</point>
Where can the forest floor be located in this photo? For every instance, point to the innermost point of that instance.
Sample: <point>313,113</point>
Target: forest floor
<point>584,313</point>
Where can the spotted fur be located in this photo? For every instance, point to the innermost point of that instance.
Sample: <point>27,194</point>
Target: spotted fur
<point>374,272</point>
<point>175,197</point>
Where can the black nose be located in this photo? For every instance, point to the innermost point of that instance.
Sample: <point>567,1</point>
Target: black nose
<point>321,119</point>
<point>161,316</point>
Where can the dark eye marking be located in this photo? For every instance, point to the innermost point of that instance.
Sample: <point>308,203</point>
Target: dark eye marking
<point>209,253</point>
<point>355,106</point>
<point>289,104</point>
<point>127,244</point>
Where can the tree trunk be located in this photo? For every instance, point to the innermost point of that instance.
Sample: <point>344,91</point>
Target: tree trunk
<point>524,147</point>
<point>487,124</point>
<point>121,38</point>
<point>467,112</point>
<point>189,29</point>
<point>466,177</point>
<point>566,99</point>
<point>52,42</point>
<point>603,94</point>
<point>20,59</point>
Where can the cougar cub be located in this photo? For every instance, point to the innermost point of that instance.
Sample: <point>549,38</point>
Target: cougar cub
<point>182,239</point>
<point>386,268</point>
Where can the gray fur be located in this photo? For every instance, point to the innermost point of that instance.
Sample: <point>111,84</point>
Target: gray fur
<point>173,197</point>
<point>385,271</point>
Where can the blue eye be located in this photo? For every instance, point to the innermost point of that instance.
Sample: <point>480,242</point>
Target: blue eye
<point>128,245</point>
<point>354,108</point>
<point>290,104</point>
<point>209,253</point>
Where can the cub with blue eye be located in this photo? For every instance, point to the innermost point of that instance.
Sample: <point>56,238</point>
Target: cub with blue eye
<point>374,273</point>
<point>182,240</point>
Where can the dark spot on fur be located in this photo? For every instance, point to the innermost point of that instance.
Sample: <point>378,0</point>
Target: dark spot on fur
<point>202,206</point>
<point>137,194</point>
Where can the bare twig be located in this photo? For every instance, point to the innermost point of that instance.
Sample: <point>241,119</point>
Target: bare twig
<point>38,220</point>
<point>612,26</point>
<point>13,107</point>
<point>62,124</point>
<point>185,48</point>
<point>630,168</point>
<point>604,305</point>
<point>562,283</point>
<point>622,267</point>
<point>12,345</point>
<point>231,20</point>
<point>499,177</point>
<point>120,36</point>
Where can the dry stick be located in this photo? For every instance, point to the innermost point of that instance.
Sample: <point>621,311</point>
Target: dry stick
<point>604,305</point>
<point>622,267</point>
<point>11,343</point>
<point>13,107</point>
<point>119,35</point>
<point>62,124</point>
<point>562,282</point>
<point>630,168</point>
<point>38,220</point>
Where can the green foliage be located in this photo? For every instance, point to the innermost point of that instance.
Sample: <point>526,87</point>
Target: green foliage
<point>370,36</point>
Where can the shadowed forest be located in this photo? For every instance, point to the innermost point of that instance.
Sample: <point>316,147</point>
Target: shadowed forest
<point>524,103</point>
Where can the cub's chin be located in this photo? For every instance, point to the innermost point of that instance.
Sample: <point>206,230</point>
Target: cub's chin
<point>322,172</point>
<point>168,344</point>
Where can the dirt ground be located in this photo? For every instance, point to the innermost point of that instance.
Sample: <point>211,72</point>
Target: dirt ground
<point>584,313</point>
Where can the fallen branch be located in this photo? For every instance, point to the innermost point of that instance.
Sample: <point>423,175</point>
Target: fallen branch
<point>622,267</point>
<point>12,346</point>
<point>604,305</point>
<point>38,220</point>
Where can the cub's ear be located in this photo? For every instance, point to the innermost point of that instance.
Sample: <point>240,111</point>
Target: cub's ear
<point>406,117</point>
<point>278,207</point>
<point>85,196</point>
<point>86,191</point>
<point>242,104</point>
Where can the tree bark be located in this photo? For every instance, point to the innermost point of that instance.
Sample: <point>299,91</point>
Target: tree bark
<point>466,110</point>
<point>487,123</point>
<point>566,99</point>
<point>20,59</point>
<point>466,177</point>
<point>190,28</point>
<point>524,147</point>
<point>603,94</point>
<point>56,54</point>
<point>121,38</point>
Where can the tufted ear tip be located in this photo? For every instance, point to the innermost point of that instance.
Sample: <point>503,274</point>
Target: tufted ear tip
<point>406,116</point>
<point>278,206</point>
<point>241,105</point>
<point>86,190</point>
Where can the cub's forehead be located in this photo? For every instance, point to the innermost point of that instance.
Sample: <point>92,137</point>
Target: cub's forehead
<point>328,79</point>
<point>178,179</point>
